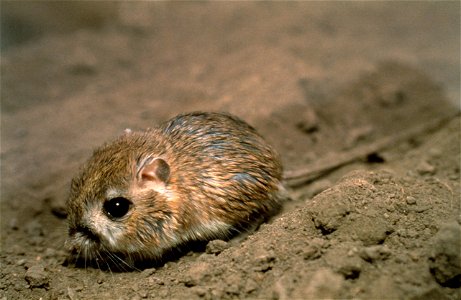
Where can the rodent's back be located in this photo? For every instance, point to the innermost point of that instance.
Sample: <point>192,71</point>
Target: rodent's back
<point>223,164</point>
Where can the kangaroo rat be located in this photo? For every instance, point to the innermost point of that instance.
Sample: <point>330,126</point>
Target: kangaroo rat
<point>199,176</point>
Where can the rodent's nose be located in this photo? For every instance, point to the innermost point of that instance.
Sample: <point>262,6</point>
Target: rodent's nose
<point>86,231</point>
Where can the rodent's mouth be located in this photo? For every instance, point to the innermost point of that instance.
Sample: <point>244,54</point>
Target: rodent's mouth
<point>85,252</point>
<point>81,246</point>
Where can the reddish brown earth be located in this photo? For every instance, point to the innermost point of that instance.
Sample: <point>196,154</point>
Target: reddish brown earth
<point>321,81</point>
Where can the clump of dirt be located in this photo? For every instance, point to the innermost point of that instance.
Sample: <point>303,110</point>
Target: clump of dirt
<point>377,217</point>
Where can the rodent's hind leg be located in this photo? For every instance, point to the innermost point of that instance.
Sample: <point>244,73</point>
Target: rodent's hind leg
<point>276,202</point>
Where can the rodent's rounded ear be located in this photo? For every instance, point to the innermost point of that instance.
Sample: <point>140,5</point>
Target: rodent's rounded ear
<point>154,170</point>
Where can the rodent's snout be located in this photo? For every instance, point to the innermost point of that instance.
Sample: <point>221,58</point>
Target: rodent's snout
<point>87,233</point>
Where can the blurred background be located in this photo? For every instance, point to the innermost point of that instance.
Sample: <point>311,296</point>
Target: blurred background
<point>324,35</point>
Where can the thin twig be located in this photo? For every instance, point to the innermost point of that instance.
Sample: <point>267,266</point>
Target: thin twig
<point>324,166</point>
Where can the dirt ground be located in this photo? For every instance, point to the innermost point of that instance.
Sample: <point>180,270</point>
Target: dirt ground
<point>323,82</point>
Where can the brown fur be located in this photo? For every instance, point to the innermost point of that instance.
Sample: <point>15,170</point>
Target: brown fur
<point>221,178</point>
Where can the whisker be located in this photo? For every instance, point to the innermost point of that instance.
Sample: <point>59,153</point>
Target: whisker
<point>130,266</point>
<point>111,257</point>
<point>85,255</point>
<point>96,260</point>
<point>77,257</point>
<point>107,264</point>
<point>114,259</point>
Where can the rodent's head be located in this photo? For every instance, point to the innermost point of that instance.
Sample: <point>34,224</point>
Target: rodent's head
<point>118,205</point>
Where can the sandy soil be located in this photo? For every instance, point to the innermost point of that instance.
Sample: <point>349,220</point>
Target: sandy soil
<point>321,81</point>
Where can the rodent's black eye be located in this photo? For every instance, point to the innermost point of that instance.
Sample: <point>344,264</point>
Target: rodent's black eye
<point>117,207</point>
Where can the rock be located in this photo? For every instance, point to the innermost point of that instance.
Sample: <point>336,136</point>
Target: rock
<point>411,200</point>
<point>314,249</point>
<point>37,277</point>
<point>250,286</point>
<point>216,246</point>
<point>199,291</point>
<point>330,220</point>
<point>13,224</point>
<point>21,262</point>
<point>375,253</point>
<point>371,231</point>
<point>148,272</point>
<point>264,261</point>
<point>425,168</point>
<point>309,122</point>
<point>350,268</point>
<point>345,261</point>
<point>311,252</point>
<point>445,259</point>
<point>197,274</point>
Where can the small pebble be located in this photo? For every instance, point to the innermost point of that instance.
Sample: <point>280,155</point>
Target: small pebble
<point>351,268</point>
<point>148,272</point>
<point>414,256</point>
<point>216,246</point>
<point>425,168</point>
<point>21,262</point>
<point>311,252</point>
<point>197,274</point>
<point>251,286</point>
<point>435,152</point>
<point>49,252</point>
<point>37,277</point>
<point>143,294</point>
<point>13,224</point>
<point>155,280</point>
<point>309,122</point>
<point>411,200</point>
<point>199,291</point>
<point>164,293</point>
<point>264,261</point>
<point>375,253</point>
